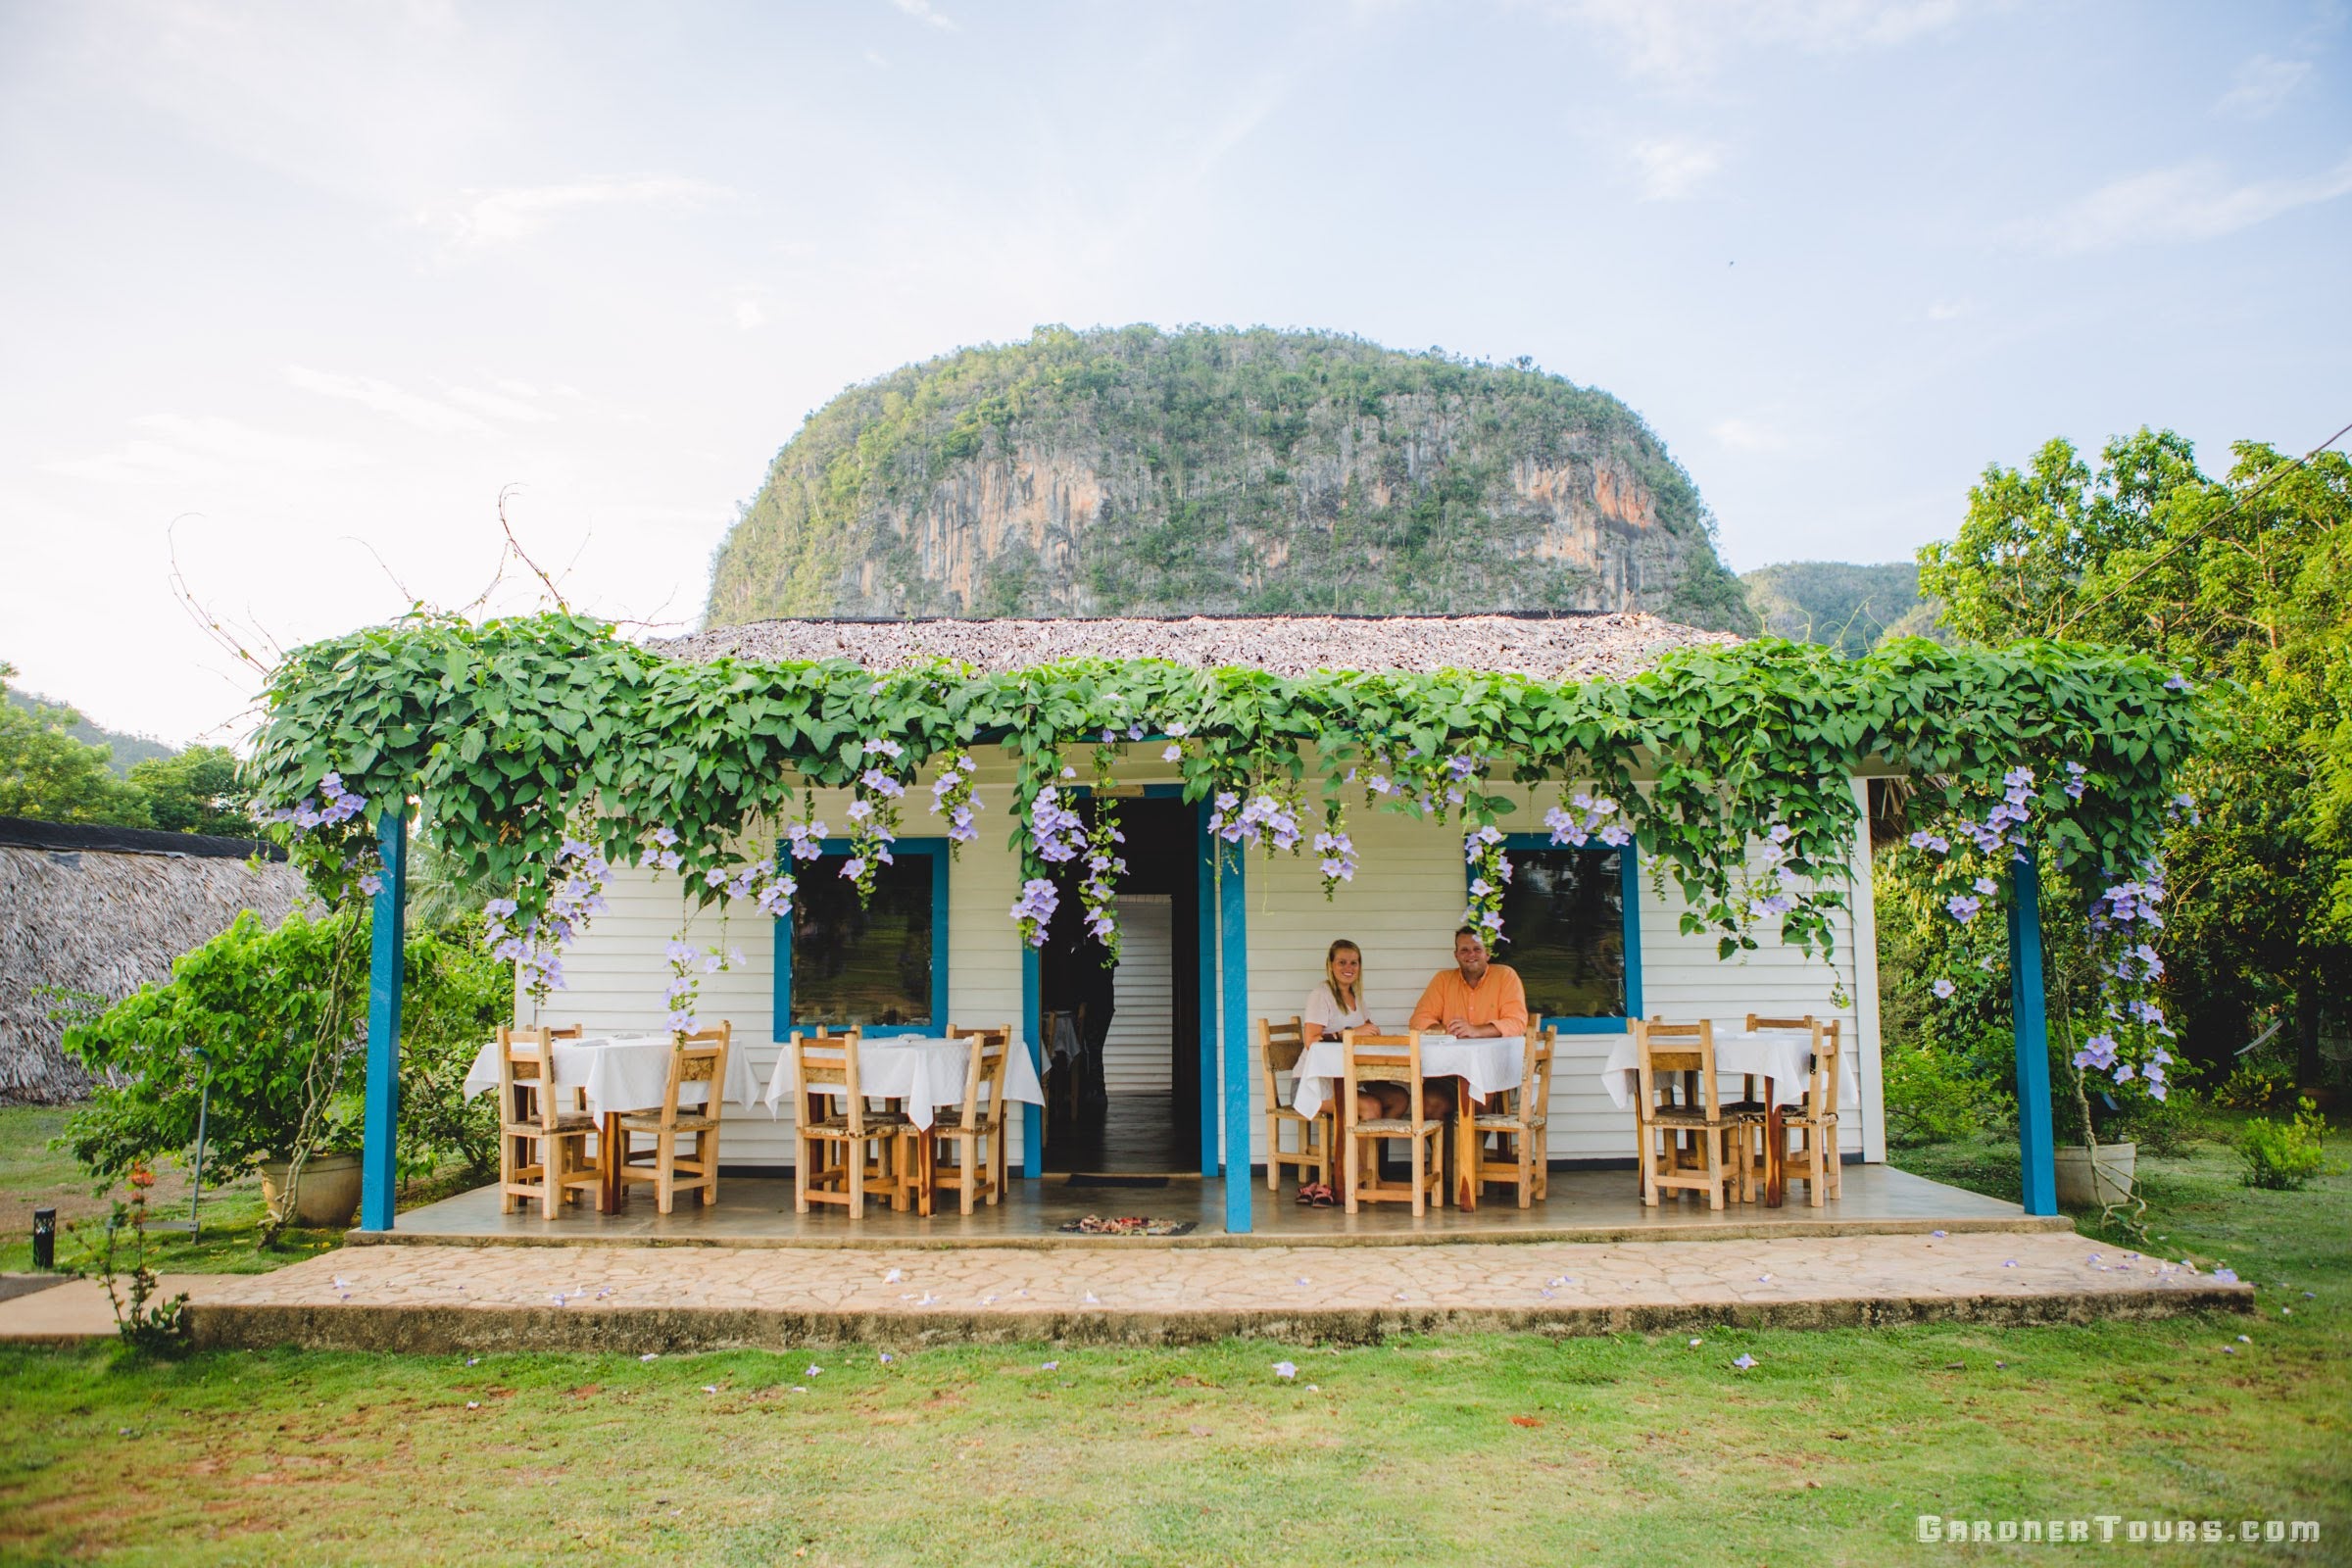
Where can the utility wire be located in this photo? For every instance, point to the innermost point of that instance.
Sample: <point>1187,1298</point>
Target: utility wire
<point>2275,475</point>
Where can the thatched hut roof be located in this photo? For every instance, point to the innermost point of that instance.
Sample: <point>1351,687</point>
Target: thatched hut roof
<point>100,911</point>
<point>1564,646</point>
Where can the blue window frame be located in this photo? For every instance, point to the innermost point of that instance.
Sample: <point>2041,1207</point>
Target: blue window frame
<point>1557,892</point>
<point>865,968</point>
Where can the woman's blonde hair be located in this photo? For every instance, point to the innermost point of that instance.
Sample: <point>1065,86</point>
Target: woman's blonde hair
<point>1354,998</point>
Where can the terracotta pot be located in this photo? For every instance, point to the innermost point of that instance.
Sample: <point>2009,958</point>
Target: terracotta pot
<point>329,1194</point>
<point>2116,1164</point>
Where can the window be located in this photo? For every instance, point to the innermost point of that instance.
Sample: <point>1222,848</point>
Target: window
<point>883,967</point>
<point>1570,922</point>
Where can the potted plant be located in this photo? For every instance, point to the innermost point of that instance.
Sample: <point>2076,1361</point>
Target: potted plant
<point>259,1032</point>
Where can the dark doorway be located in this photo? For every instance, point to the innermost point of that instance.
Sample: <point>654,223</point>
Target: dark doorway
<point>1134,1106</point>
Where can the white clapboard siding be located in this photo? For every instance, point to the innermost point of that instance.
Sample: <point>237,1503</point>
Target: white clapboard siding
<point>1137,1057</point>
<point>1402,908</point>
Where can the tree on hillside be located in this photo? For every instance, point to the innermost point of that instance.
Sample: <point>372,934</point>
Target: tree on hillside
<point>2249,579</point>
<point>45,774</point>
<point>195,791</point>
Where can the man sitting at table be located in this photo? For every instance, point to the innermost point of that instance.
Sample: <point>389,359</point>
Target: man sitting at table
<point>1475,1000</point>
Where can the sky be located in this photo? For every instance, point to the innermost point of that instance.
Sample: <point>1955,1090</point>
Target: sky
<point>295,297</point>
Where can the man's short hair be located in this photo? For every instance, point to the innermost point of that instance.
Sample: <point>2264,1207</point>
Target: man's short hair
<point>1461,931</point>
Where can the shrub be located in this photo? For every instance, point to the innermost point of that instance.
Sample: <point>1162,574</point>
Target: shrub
<point>2251,1087</point>
<point>1932,1099</point>
<point>2281,1156</point>
<point>454,996</point>
<point>256,1012</point>
<point>277,1017</point>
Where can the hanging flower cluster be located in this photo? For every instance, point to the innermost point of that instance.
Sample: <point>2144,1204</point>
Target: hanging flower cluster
<point>536,947</point>
<point>1580,818</point>
<point>1786,884</point>
<point>953,797</point>
<point>688,964</point>
<point>1977,852</point>
<point>338,858</point>
<point>2123,921</point>
<point>1334,850</point>
<point>1266,819</point>
<point>1056,833</point>
<point>1489,879</point>
<point>1098,892</point>
<point>874,813</point>
<point>1034,907</point>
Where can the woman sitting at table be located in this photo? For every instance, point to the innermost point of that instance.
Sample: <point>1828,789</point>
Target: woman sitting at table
<point>1336,1006</point>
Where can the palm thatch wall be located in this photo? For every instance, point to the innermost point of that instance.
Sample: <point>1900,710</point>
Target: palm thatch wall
<point>102,912</point>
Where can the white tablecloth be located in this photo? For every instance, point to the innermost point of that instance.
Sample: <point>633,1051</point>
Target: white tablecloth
<point>620,1072</point>
<point>924,1072</point>
<point>1783,1056</point>
<point>1489,1065</point>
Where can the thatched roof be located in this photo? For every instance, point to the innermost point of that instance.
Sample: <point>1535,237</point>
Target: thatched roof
<point>96,911</point>
<point>1569,646</point>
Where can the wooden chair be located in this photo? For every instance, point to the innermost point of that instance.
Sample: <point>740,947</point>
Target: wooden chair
<point>825,1070</point>
<point>1815,1120</point>
<point>696,1058</point>
<point>1279,1047</point>
<point>1705,1145</point>
<point>1373,1059</point>
<point>542,1147</point>
<point>976,1127</point>
<point>1519,1125</point>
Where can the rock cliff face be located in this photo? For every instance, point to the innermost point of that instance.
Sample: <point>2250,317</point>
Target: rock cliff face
<point>1132,471</point>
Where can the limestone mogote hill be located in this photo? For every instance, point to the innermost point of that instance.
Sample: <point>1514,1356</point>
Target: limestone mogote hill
<point>1130,470</point>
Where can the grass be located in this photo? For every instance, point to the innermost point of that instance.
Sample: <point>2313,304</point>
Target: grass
<point>1494,1449</point>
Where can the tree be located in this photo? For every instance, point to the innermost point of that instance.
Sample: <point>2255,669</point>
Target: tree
<point>2249,578</point>
<point>195,791</point>
<point>46,774</point>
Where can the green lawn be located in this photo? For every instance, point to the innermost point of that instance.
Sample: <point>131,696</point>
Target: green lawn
<point>1488,1448</point>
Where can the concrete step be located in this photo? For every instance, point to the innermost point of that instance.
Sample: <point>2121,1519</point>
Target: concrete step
<point>442,1299</point>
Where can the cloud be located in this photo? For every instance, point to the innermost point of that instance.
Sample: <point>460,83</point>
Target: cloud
<point>2193,201</point>
<point>1671,168</point>
<point>2261,85</point>
<point>499,405</point>
<point>502,216</point>
<point>182,449</point>
<point>384,397</point>
<point>922,11</point>
<point>1684,42</point>
<point>1747,436</point>
<point>749,317</point>
<point>1948,309</point>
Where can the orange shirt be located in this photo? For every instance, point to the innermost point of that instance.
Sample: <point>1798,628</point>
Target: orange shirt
<point>1498,999</point>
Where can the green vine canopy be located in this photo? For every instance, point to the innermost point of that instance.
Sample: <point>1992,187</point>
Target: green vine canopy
<point>543,750</point>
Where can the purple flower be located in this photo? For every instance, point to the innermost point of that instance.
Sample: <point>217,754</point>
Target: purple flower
<point>1943,988</point>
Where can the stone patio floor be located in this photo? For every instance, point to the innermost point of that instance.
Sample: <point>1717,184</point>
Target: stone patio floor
<point>424,1298</point>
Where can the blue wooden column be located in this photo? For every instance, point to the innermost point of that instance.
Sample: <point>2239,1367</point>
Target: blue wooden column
<point>1032,1117</point>
<point>2030,1024</point>
<point>1205,870</point>
<point>1233,986</point>
<point>380,1153</point>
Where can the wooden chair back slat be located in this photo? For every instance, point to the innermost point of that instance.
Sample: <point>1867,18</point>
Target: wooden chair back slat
<point>825,1068</point>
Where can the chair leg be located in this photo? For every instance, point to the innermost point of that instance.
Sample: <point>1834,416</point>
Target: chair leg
<point>1420,1200</point>
<point>1353,1164</point>
<point>806,1149</point>
<point>1715,1143</point>
<point>857,1176</point>
<point>550,1177</point>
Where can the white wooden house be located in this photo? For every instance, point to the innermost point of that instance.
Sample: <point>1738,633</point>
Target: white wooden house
<point>1195,948</point>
